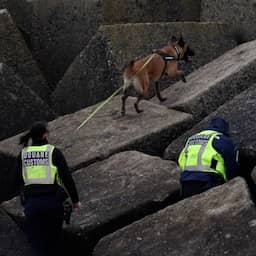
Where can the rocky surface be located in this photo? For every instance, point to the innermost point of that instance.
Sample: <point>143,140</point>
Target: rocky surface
<point>117,191</point>
<point>19,105</point>
<point>239,14</point>
<point>240,112</point>
<point>220,221</point>
<point>145,11</point>
<point>14,53</point>
<point>215,83</point>
<point>12,240</point>
<point>107,133</point>
<point>97,70</point>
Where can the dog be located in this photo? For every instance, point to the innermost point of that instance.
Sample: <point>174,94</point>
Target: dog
<point>142,71</point>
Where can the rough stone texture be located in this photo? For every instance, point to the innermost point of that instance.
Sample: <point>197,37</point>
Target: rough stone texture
<point>97,71</point>
<point>126,183</point>
<point>12,239</point>
<point>107,133</point>
<point>145,11</point>
<point>116,191</point>
<point>3,4</point>
<point>52,26</point>
<point>57,30</point>
<point>218,222</point>
<point>241,115</point>
<point>215,83</point>
<point>19,105</point>
<point>253,174</point>
<point>14,53</point>
<point>240,14</point>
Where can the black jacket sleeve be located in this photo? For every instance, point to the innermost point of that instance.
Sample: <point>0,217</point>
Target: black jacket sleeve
<point>224,145</point>
<point>60,162</point>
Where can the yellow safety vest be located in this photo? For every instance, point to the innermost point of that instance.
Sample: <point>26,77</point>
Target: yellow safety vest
<point>37,166</point>
<point>199,155</point>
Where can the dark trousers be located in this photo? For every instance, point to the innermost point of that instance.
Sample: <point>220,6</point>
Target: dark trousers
<point>193,187</point>
<point>43,225</point>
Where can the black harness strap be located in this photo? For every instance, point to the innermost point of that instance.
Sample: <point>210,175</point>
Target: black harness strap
<point>166,57</point>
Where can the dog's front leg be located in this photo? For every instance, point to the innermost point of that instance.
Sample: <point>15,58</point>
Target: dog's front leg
<point>157,92</point>
<point>181,74</point>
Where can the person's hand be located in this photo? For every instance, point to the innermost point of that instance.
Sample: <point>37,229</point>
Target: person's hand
<point>77,207</point>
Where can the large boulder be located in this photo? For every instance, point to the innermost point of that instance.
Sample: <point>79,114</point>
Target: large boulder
<point>215,83</point>
<point>147,11</point>
<point>19,105</point>
<point>240,112</point>
<point>220,221</point>
<point>12,240</point>
<point>117,191</point>
<point>239,14</point>
<point>14,53</point>
<point>51,27</point>
<point>107,133</point>
<point>97,70</point>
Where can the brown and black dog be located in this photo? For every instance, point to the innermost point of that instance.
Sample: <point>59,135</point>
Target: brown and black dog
<point>141,72</point>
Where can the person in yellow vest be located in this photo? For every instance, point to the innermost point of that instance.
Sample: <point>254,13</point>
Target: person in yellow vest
<point>208,159</point>
<point>44,175</point>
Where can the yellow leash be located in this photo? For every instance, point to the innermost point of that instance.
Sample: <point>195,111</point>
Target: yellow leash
<point>112,95</point>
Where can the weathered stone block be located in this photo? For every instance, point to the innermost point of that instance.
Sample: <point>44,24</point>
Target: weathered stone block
<point>19,105</point>
<point>117,191</point>
<point>240,112</point>
<point>215,83</point>
<point>97,70</point>
<point>53,26</point>
<point>147,11</point>
<point>239,14</point>
<point>14,53</point>
<point>218,222</point>
<point>12,240</point>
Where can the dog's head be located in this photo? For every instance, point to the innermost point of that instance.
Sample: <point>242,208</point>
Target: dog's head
<point>186,51</point>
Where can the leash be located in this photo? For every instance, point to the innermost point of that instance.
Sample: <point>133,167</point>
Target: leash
<point>112,95</point>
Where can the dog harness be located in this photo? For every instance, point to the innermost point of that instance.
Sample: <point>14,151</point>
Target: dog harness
<point>167,57</point>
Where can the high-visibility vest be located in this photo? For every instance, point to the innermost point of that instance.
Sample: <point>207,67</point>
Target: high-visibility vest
<point>200,155</point>
<point>37,166</point>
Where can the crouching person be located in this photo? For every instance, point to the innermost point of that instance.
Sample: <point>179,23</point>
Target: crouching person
<point>208,159</point>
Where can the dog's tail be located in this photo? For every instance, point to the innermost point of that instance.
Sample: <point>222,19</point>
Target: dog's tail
<point>128,75</point>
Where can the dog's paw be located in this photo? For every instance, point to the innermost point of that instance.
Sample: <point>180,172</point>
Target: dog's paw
<point>163,99</point>
<point>183,79</point>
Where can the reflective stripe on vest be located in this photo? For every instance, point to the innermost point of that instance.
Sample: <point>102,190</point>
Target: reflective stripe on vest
<point>37,166</point>
<point>199,153</point>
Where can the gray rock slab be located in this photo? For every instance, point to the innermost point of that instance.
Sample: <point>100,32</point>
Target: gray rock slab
<point>12,240</point>
<point>19,104</point>
<point>215,83</point>
<point>97,70</point>
<point>240,112</point>
<point>107,133</point>
<point>116,191</point>
<point>220,221</point>
<point>51,27</point>
<point>253,175</point>
<point>15,53</point>
<point>240,15</point>
<point>147,11</point>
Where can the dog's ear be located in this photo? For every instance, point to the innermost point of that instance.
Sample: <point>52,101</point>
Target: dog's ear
<point>181,41</point>
<point>174,39</point>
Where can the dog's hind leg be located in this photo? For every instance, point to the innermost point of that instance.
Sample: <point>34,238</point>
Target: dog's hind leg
<point>124,97</point>
<point>157,91</point>
<point>136,104</point>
